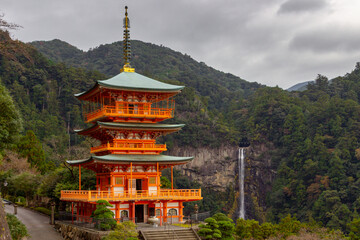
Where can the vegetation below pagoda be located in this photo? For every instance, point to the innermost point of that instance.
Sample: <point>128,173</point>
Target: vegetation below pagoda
<point>221,227</point>
<point>315,134</point>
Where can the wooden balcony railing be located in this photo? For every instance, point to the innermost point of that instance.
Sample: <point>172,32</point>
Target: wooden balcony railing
<point>128,112</point>
<point>130,146</point>
<point>164,194</point>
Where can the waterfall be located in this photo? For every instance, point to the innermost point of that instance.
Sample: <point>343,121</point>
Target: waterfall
<point>241,164</point>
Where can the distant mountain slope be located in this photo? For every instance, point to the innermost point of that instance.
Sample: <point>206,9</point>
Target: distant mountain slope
<point>299,87</point>
<point>157,62</point>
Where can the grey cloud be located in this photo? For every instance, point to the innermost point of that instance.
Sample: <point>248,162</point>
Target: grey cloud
<point>327,40</point>
<point>236,36</point>
<point>295,6</point>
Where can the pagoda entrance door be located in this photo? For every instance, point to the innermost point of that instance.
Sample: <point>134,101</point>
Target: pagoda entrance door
<point>138,184</point>
<point>139,213</point>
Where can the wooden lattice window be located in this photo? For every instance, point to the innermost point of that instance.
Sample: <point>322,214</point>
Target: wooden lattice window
<point>172,212</point>
<point>124,214</point>
<point>119,180</point>
<point>152,180</point>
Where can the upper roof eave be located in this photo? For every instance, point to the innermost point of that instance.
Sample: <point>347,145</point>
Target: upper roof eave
<point>132,81</point>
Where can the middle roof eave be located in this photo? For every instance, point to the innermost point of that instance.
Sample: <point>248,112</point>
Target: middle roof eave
<point>135,126</point>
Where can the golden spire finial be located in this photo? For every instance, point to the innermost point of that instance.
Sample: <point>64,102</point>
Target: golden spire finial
<point>127,45</point>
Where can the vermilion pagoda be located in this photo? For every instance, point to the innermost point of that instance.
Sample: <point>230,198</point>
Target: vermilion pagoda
<point>125,112</point>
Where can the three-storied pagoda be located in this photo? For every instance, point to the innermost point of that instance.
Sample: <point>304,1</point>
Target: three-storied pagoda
<point>125,112</point>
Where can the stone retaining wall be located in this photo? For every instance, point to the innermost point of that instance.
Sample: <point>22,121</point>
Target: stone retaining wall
<point>73,232</point>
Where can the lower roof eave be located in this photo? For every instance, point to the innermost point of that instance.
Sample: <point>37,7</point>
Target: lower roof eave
<point>132,158</point>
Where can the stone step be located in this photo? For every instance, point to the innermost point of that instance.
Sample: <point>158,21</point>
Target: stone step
<point>183,234</point>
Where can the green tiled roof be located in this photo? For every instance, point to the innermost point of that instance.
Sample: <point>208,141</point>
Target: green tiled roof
<point>127,158</point>
<point>135,81</point>
<point>151,126</point>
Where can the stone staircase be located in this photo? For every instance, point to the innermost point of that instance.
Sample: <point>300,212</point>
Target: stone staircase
<point>172,234</point>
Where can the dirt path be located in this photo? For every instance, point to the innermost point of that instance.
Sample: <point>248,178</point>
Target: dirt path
<point>37,224</point>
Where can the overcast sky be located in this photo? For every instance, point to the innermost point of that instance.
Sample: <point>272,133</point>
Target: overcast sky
<point>274,42</point>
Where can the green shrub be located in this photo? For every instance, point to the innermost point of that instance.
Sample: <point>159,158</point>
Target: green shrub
<point>20,199</point>
<point>251,229</point>
<point>104,215</point>
<point>17,229</point>
<point>43,210</point>
<point>289,226</point>
<point>210,230</point>
<point>247,229</point>
<point>123,231</point>
<point>226,226</point>
<point>20,204</point>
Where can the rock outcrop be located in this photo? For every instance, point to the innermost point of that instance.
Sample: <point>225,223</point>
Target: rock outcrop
<point>73,232</point>
<point>215,168</point>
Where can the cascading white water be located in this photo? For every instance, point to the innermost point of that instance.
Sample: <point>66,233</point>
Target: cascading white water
<point>241,164</point>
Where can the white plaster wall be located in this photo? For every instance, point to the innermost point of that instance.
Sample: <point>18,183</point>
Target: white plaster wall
<point>118,189</point>
<point>152,190</point>
<point>173,204</point>
<point>124,205</point>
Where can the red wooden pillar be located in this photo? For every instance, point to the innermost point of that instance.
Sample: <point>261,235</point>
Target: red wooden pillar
<point>161,215</point>
<point>181,208</point>
<point>117,210</point>
<point>133,211</point>
<point>165,212</point>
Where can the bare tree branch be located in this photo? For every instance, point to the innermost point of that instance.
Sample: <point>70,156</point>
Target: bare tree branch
<point>5,25</point>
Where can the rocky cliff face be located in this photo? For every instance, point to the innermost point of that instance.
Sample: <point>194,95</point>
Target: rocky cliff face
<point>216,168</point>
<point>258,179</point>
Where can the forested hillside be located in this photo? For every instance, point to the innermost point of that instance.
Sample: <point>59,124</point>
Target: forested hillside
<point>312,136</point>
<point>43,94</point>
<point>217,88</point>
<point>315,135</point>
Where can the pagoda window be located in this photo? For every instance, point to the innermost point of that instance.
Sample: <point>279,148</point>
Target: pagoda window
<point>120,107</point>
<point>152,180</point>
<point>124,214</point>
<point>119,180</point>
<point>131,108</point>
<point>172,212</point>
<point>157,212</point>
<point>132,185</point>
<point>137,136</point>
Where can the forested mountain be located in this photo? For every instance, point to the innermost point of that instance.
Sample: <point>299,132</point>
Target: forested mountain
<point>312,137</point>
<point>217,88</point>
<point>315,148</point>
<point>43,92</point>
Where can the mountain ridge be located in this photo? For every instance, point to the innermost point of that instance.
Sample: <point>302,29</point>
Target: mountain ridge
<point>168,66</point>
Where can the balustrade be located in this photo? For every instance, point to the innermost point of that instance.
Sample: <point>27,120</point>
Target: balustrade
<point>93,196</point>
<point>136,112</point>
<point>129,145</point>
